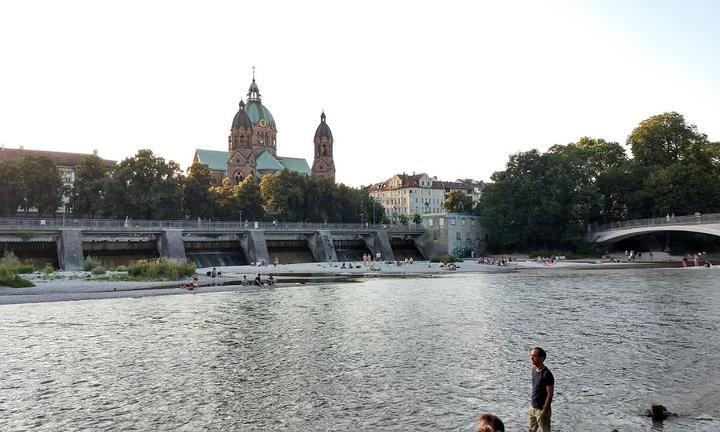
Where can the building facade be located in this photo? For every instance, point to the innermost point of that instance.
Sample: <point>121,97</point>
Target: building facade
<point>454,233</point>
<point>421,194</point>
<point>252,146</point>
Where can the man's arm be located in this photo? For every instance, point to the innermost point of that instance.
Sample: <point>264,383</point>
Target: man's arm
<point>549,398</point>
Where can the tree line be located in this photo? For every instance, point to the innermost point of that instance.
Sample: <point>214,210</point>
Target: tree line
<point>145,186</point>
<point>546,200</point>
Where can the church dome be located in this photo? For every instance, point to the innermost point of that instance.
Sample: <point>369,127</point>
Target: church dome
<point>241,120</point>
<point>256,111</point>
<point>323,130</point>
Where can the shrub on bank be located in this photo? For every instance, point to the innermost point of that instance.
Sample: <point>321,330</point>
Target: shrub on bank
<point>8,277</point>
<point>99,270</point>
<point>90,263</point>
<point>161,269</point>
<point>446,258</point>
<point>48,269</point>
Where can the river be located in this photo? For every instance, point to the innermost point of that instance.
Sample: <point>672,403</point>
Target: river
<point>427,354</point>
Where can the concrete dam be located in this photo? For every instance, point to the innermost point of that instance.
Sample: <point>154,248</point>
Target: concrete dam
<point>66,243</point>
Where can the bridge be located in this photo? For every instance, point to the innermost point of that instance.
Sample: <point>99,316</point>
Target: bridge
<point>67,242</point>
<point>616,231</point>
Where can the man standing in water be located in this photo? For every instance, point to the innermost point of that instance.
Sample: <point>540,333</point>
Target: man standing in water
<point>543,386</point>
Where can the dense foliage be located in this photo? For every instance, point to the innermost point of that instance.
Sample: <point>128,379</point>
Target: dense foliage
<point>546,200</point>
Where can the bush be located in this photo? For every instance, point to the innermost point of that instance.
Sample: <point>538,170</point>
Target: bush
<point>120,268</point>
<point>90,263</point>
<point>446,258</point>
<point>25,268</point>
<point>9,278</point>
<point>161,269</point>
<point>99,270</point>
<point>48,268</point>
<point>9,260</point>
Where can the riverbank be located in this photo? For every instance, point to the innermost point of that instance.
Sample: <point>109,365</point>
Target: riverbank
<point>71,286</point>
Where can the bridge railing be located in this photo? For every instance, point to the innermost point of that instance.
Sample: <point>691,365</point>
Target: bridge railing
<point>53,224</point>
<point>667,220</point>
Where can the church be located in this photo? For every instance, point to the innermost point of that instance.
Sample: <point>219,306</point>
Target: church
<point>252,146</point>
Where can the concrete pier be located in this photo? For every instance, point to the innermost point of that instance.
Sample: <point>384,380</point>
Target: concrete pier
<point>170,245</point>
<point>70,252</point>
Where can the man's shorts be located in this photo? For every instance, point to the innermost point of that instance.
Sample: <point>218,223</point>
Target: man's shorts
<point>539,420</point>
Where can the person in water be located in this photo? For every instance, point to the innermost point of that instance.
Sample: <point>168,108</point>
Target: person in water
<point>490,423</point>
<point>543,388</point>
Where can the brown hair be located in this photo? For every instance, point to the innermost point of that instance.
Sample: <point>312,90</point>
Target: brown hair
<point>496,425</point>
<point>540,352</point>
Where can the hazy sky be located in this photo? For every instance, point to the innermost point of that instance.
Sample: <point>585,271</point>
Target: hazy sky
<point>449,88</point>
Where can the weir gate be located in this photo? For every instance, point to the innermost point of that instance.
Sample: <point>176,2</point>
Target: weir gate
<point>65,243</point>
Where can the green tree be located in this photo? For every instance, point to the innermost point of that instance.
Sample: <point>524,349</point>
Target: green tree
<point>11,185</point>
<point>42,184</point>
<point>249,200</point>
<point>197,199</point>
<point>417,219</point>
<point>457,202</point>
<point>665,139</point>
<point>88,191</point>
<point>682,188</point>
<point>145,187</point>
<point>403,220</point>
<point>283,196</point>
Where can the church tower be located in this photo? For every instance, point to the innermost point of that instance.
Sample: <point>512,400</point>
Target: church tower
<point>241,162</point>
<point>323,164</point>
<point>264,129</point>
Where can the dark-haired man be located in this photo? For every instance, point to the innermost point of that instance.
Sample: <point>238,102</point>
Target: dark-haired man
<point>490,423</point>
<point>543,386</point>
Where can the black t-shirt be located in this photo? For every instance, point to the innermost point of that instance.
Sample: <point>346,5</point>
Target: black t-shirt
<point>540,381</point>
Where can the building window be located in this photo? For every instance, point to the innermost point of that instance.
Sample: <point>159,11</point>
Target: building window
<point>452,221</point>
<point>441,221</point>
<point>457,236</point>
<point>462,221</point>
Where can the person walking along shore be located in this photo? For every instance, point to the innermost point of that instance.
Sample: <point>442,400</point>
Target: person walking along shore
<point>543,389</point>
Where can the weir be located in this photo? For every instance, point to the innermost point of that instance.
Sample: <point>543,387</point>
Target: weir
<point>66,243</point>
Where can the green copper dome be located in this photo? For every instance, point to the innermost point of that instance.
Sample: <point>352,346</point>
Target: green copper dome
<point>258,115</point>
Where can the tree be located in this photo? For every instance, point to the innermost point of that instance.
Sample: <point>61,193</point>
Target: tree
<point>457,202</point>
<point>88,191</point>
<point>283,195</point>
<point>665,139</point>
<point>42,184</point>
<point>249,200</point>
<point>683,189</point>
<point>197,199</point>
<point>145,187</point>
<point>403,219</point>
<point>417,219</point>
<point>11,185</point>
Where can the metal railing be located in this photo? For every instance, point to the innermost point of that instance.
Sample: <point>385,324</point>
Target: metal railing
<point>54,224</point>
<point>695,219</point>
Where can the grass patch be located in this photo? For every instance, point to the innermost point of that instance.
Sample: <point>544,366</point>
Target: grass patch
<point>446,258</point>
<point>90,263</point>
<point>10,267</point>
<point>164,269</point>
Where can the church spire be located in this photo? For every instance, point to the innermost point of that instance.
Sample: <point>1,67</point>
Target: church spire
<point>254,90</point>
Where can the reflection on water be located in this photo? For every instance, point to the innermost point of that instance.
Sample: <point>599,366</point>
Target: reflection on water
<point>398,354</point>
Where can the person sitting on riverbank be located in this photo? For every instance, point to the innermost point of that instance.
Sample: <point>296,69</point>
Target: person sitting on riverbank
<point>490,423</point>
<point>258,281</point>
<point>271,280</point>
<point>192,284</point>
<point>245,280</point>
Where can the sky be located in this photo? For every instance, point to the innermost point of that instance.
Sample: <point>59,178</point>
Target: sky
<point>447,88</point>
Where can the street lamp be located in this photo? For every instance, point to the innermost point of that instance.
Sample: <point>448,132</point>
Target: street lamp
<point>362,220</point>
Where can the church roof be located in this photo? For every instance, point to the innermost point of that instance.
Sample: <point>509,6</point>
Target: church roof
<point>266,162</point>
<point>256,111</point>
<point>323,130</point>
<point>216,160</point>
<point>297,165</point>
<point>241,119</point>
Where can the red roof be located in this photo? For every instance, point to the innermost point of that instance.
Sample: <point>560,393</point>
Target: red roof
<point>60,158</point>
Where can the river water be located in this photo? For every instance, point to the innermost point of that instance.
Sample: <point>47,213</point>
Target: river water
<point>427,354</point>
